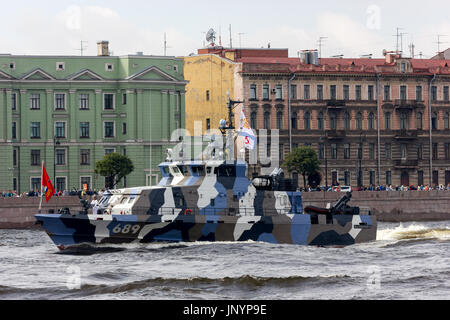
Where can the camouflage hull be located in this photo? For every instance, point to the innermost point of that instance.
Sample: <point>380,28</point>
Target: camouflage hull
<point>303,229</point>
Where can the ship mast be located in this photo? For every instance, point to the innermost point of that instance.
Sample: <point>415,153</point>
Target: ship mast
<point>228,129</point>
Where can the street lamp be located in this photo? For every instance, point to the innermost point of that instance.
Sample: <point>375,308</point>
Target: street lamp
<point>55,143</point>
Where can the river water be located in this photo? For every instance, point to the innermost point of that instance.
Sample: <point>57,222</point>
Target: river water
<point>408,261</point>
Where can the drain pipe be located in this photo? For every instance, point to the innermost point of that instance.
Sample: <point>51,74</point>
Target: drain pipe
<point>378,128</point>
<point>289,111</point>
<point>430,129</point>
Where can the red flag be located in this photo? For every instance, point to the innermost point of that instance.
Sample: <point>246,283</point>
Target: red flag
<point>49,190</point>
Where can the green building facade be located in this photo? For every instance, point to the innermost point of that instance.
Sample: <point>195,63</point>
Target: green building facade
<point>69,111</point>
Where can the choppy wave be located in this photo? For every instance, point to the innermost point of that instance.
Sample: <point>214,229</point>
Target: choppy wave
<point>414,232</point>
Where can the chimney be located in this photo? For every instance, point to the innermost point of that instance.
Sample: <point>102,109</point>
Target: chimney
<point>102,48</point>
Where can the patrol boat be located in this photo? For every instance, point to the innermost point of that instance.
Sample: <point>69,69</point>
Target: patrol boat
<point>211,200</point>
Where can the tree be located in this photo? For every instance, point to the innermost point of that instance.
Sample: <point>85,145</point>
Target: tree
<point>304,161</point>
<point>114,167</point>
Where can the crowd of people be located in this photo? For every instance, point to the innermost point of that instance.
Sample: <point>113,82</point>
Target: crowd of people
<point>37,193</point>
<point>378,188</point>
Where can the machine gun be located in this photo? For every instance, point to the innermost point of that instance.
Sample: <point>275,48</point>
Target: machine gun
<point>340,207</point>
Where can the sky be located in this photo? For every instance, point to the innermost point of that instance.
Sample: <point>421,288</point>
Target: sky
<point>349,28</point>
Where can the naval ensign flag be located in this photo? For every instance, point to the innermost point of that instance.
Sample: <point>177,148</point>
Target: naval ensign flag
<point>49,190</point>
<point>247,132</point>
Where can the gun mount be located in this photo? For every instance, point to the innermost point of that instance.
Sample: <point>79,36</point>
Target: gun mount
<point>340,207</point>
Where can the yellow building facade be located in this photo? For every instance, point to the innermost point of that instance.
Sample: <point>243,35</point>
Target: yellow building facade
<point>210,77</point>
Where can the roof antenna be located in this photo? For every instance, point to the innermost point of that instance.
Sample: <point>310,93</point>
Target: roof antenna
<point>231,39</point>
<point>440,42</point>
<point>82,48</point>
<point>320,45</point>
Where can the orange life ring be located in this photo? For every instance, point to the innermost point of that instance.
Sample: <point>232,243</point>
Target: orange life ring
<point>188,211</point>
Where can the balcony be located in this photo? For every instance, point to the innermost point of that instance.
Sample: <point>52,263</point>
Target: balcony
<point>405,134</point>
<point>335,134</point>
<point>403,104</point>
<point>406,164</point>
<point>335,104</point>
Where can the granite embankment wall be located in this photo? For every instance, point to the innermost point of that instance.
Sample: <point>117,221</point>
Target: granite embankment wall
<point>393,206</point>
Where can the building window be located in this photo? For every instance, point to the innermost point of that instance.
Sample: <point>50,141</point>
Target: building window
<point>124,98</point>
<point>84,101</point>
<point>446,120</point>
<point>35,184</point>
<point>35,130</point>
<point>60,157</point>
<point>253,92</point>
<point>346,151</point>
<point>419,120</point>
<point>35,101</point>
<point>388,178</point>
<point>207,95</point>
<point>306,93</point>
<point>294,120</point>
<point>266,92</point>
<point>446,95</point>
<point>403,121</point>
<point>403,67</point>
<point>435,151</point>
<point>12,65</point>
<point>109,129</point>
<point>371,151</point>
<point>267,120</point>
<point>334,151</point>
<point>321,150</point>
<point>434,93</point>
<point>14,130</point>
<point>404,151</point>
<point>387,150</point>
<point>403,93</point>
<point>370,95</point>
<point>307,120</point>
<point>346,121</point>
<point>60,183</point>
<point>418,93</point>
<point>359,121</point>
<point>319,92</point>
<point>279,92</point>
<point>13,101</point>
<point>346,92</point>
<point>435,178</point>
<point>333,92</point>
<point>109,67</point>
<point>387,120</point>
<point>85,183</point>
<point>387,93</point>
<point>320,123</point>
<point>434,120</point>
<point>372,177</point>
<point>281,151</point>
<point>360,151</point>
<point>253,119</point>
<point>419,151</point>
<point>347,178</point>
<point>371,121</point>
<point>84,129</point>
<point>108,101</point>
<point>420,178</point>
<point>14,157</point>
<point>109,151</point>
<point>447,151</point>
<point>293,91</point>
<point>124,128</point>
<point>60,66</point>
<point>358,92</point>
<point>333,123</point>
<point>35,157</point>
<point>85,157</point>
<point>279,120</point>
<point>60,129</point>
<point>60,101</point>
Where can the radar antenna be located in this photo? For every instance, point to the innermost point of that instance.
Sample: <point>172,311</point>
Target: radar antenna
<point>211,37</point>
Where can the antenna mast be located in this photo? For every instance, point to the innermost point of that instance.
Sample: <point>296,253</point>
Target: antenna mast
<point>440,42</point>
<point>82,48</point>
<point>397,36</point>
<point>231,39</point>
<point>240,34</point>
